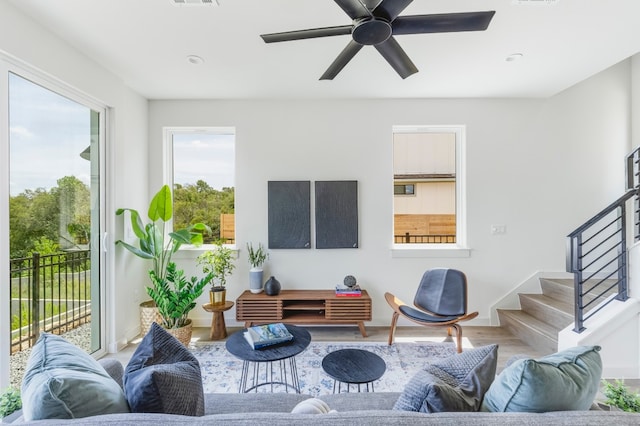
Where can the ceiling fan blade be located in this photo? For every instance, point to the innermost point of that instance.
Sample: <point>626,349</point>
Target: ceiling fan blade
<point>442,23</point>
<point>303,34</point>
<point>354,8</point>
<point>397,58</point>
<point>390,9</point>
<point>343,59</point>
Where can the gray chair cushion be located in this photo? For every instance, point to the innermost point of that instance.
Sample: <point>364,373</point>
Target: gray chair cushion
<point>567,380</point>
<point>442,291</point>
<point>64,382</point>
<point>163,377</point>
<point>457,383</point>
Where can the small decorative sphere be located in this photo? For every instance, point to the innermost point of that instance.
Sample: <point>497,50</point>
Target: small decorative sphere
<point>350,281</point>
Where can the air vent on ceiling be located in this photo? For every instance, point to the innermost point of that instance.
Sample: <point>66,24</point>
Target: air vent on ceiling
<point>535,2</point>
<point>194,2</point>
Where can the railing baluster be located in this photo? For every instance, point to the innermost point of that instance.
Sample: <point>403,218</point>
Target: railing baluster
<point>35,298</point>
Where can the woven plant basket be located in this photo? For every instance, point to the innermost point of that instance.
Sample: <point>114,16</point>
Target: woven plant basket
<point>148,315</point>
<point>183,334</point>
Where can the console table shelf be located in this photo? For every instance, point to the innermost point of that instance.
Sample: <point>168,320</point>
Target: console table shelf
<point>304,307</point>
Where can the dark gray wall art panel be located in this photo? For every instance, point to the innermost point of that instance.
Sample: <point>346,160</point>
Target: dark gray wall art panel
<point>289,214</point>
<point>336,214</point>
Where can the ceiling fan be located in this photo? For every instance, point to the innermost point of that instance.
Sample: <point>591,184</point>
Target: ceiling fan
<point>376,22</point>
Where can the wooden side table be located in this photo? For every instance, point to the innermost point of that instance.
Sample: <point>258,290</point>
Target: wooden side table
<point>218,327</point>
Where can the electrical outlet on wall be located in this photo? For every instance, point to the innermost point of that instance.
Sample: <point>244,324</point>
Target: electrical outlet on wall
<point>498,229</point>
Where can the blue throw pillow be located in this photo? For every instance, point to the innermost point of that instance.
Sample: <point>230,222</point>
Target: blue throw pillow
<point>163,377</point>
<point>64,382</point>
<point>457,383</point>
<point>567,380</point>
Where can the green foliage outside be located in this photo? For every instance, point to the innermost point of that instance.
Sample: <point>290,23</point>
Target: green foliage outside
<point>61,216</point>
<point>24,319</point>
<point>201,203</point>
<point>620,396</point>
<point>46,221</point>
<point>10,401</point>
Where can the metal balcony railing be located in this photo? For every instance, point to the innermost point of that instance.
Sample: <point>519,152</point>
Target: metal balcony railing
<point>49,293</point>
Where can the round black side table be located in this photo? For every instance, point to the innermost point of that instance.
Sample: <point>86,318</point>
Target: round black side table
<point>282,354</point>
<point>353,366</point>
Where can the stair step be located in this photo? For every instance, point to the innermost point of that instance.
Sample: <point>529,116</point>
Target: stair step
<point>562,289</point>
<point>559,289</point>
<point>554,312</point>
<point>529,329</point>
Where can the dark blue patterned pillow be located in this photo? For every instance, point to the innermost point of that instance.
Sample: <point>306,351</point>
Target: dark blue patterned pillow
<point>457,383</point>
<point>163,377</point>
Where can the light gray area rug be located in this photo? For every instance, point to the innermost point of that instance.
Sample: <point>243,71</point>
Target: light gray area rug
<point>221,371</point>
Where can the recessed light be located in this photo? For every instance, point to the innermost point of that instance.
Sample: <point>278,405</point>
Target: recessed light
<point>195,59</point>
<point>514,57</point>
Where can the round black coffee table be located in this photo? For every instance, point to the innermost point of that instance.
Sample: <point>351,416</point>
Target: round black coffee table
<point>283,353</point>
<point>353,366</point>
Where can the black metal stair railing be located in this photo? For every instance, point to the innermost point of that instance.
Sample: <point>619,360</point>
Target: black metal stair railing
<point>597,251</point>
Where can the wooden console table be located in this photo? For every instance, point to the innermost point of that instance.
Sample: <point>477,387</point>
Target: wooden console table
<point>304,307</point>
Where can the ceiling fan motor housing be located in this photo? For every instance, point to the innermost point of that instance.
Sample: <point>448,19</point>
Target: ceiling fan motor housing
<point>371,31</point>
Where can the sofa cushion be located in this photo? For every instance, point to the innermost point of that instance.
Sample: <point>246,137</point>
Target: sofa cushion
<point>457,383</point>
<point>64,382</point>
<point>567,380</point>
<point>163,377</point>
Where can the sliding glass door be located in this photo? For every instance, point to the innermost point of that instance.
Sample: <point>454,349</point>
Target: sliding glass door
<point>55,220</point>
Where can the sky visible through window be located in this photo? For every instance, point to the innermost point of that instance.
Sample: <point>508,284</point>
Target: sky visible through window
<point>47,134</point>
<point>204,156</point>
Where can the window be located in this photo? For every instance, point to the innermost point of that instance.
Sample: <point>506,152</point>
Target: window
<point>405,189</point>
<point>427,166</point>
<point>201,169</point>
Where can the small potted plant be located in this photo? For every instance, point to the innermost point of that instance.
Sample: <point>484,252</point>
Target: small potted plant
<point>218,262</point>
<point>619,397</point>
<point>10,403</point>
<point>257,257</point>
<point>175,296</point>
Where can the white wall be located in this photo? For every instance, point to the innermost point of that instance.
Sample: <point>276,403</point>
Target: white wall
<point>540,167</point>
<point>21,39</point>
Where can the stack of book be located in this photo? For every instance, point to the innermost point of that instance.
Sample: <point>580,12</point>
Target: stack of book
<point>344,291</point>
<point>260,336</point>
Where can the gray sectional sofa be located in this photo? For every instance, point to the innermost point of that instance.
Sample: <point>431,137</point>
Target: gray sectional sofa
<point>273,409</point>
<point>65,385</point>
<point>351,409</point>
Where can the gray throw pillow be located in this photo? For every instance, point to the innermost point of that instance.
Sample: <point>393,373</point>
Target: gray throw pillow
<point>567,380</point>
<point>64,382</point>
<point>457,383</point>
<point>163,377</point>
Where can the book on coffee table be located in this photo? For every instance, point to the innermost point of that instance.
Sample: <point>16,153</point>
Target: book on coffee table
<point>260,336</point>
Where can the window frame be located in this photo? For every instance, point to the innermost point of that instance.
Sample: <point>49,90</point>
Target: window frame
<point>459,248</point>
<point>167,172</point>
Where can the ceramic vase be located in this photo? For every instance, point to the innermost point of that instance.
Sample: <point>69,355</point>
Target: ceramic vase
<point>255,280</point>
<point>272,286</point>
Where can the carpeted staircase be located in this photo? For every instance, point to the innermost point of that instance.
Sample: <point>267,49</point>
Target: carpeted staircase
<point>541,316</point>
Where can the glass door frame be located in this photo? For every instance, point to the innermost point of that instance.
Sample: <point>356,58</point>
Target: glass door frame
<point>9,64</point>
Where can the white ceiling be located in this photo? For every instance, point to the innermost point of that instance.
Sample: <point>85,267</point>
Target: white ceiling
<point>146,43</point>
